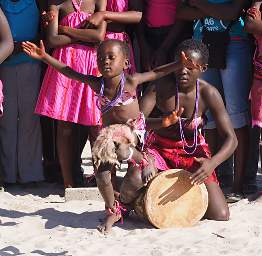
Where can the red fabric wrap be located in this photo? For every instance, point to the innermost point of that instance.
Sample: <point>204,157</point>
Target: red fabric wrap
<point>169,154</point>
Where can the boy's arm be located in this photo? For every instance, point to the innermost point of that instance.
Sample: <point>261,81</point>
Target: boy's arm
<point>214,103</point>
<point>86,34</point>
<point>39,53</point>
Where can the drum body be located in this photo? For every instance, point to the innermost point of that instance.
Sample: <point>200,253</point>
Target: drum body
<point>170,200</point>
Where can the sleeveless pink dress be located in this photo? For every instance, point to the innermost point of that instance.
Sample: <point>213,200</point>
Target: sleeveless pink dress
<point>256,89</point>
<point>65,99</point>
<point>121,6</point>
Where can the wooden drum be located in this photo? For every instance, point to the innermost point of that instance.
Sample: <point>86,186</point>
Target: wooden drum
<point>170,200</point>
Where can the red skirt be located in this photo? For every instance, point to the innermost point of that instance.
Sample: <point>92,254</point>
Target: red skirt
<point>170,154</point>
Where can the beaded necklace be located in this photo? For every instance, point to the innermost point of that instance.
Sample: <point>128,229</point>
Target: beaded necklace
<point>190,148</point>
<point>111,103</point>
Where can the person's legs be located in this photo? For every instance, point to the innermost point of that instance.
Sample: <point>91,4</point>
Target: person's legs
<point>30,166</point>
<point>104,184</point>
<point>66,148</point>
<point>8,125</point>
<point>236,80</point>
<point>217,206</point>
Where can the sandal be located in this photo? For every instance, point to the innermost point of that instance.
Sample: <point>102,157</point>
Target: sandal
<point>234,197</point>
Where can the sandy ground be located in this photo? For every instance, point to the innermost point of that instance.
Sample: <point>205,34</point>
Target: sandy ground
<point>37,221</point>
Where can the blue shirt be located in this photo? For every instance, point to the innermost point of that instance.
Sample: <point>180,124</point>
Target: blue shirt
<point>213,24</point>
<point>23,19</point>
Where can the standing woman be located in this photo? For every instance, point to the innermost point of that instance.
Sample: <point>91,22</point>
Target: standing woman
<point>20,132</point>
<point>231,74</point>
<point>6,48</point>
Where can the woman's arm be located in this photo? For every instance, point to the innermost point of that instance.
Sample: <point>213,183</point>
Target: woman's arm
<point>253,22</point>
<point>224,127</point>
<point>206,166</point>
<point>53,39</point>
<point>39,53</point>
<point>225,11</point>
<point>94,35</point>
<point>6,41</point>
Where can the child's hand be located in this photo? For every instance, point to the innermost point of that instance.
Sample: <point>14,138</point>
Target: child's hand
<point>172,118</point>
<point>47,17</point>
<point>33,51</point>
<point>254,13</point>
<point>204,171</point>
<point>96,19</point>
<point>188,63</point>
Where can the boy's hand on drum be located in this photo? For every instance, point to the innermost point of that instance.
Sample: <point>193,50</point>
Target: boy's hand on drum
<point>172,118</point>
<point>203,172</point>
<point>33,50</point>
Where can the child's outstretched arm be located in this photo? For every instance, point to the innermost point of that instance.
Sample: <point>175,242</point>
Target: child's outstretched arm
<point>253,23</point>
<point>39,53</point>
<point>158,72</point>
<point>213,101</point>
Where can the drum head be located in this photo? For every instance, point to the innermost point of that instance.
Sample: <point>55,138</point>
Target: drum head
<point>172,201</point>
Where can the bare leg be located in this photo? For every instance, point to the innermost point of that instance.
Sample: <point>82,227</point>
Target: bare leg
<point>133,182</point>
<point>65,148</point>
<point>104,184</point>
<point>217,206</point>
<point>240,159</point>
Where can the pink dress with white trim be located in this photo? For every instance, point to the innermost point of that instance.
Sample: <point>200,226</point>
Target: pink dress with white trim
<point>65,99</point>
<point>256,89</point>
<point>121,6</point>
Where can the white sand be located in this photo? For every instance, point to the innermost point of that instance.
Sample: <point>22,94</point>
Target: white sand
<point>37,221</point>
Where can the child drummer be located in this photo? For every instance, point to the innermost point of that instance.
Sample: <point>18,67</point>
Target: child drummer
<point>182,145</point>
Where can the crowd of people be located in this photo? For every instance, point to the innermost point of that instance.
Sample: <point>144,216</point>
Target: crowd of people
<point>107,65</point>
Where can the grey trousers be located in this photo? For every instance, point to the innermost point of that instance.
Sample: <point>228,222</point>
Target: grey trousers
<point>20,131</point>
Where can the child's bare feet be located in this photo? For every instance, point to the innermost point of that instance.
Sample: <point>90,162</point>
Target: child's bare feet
<point>110,220</point>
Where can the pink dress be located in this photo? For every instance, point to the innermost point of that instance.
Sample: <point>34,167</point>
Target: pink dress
<point>121,6</point>
<point>65,99</point>
<point>256,89</point>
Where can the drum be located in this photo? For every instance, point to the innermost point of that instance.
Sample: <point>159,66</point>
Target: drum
<point>170,200</point>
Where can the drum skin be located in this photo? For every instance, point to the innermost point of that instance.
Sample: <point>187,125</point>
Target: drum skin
<point>170,200</point>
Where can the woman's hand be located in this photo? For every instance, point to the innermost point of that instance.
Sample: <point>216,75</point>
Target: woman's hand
<point>203,172</point>
<point>172,118</point>
<point>34,51</point>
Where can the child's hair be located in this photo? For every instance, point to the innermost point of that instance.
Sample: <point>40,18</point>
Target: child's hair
<point>193,45</point>
<point>122,45</point>
<point>104,149</point>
